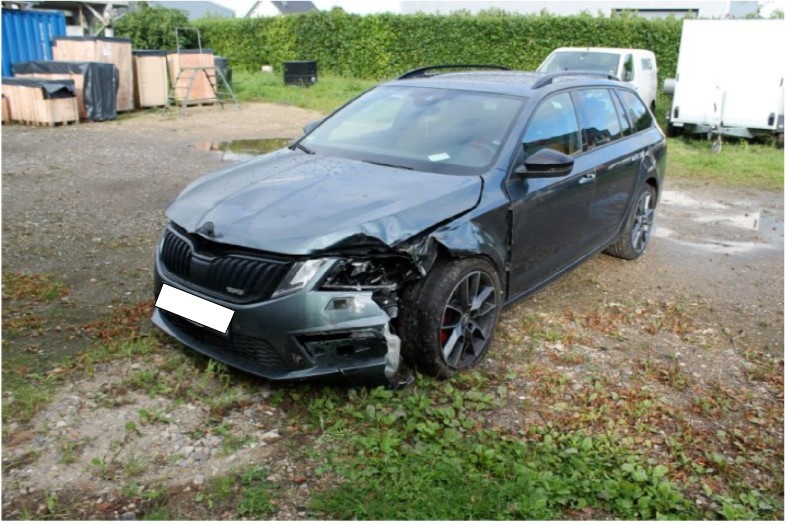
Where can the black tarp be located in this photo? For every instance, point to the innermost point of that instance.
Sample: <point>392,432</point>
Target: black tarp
<point>148,53</point>
<point>92,39</point>
<point>50,88</point>
<point>101,82</point>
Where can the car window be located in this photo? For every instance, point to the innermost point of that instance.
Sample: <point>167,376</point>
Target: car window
<point>626,127</point>
<point>629,69</point>
<point>379,115</point>
<point>641,118</point>
<point>599,121</point>
<point>582,61</point>
<point>422,128</point>
<point>553,126</point>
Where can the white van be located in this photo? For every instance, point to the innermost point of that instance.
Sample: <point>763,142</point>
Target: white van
<point>636,66</point>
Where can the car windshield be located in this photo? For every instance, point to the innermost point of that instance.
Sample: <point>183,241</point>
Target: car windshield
<point>582,61</point>
<point>426,129</point>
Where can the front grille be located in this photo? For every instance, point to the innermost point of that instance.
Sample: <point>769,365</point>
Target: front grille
<point>213,268</point>
<point>255,351</point>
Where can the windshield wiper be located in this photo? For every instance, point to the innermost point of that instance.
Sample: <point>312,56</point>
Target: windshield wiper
<point>389,165</point>
<point>299,145</point>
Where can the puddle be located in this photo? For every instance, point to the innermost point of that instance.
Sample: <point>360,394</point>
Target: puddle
<point>727,227</point>
<point>239,150</point>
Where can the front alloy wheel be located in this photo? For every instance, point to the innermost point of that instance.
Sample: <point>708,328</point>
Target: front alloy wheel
<point>467,320</point>
<point>448,318</point>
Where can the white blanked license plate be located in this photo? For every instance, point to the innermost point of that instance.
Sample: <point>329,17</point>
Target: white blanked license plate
<point>193,308</point>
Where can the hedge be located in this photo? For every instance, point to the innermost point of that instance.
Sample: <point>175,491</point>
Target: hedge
<point>384,45</point>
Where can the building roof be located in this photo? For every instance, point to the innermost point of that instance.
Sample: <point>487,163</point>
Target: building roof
<point>288,7</point>
<point>196,10</point>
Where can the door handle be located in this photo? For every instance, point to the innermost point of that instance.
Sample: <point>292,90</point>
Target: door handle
<point>587,178</point>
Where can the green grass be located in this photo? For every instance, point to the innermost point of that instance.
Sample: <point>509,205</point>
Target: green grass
<point>433,453</point>
<point>739,164</point>
<point>427,454</point>
<point>328,94</point>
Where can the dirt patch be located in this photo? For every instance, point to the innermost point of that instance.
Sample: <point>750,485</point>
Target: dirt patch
<point>695,324</point>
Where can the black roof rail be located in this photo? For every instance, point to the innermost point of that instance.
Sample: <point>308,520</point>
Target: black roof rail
<point>421,72</point>
<point>548,78</point>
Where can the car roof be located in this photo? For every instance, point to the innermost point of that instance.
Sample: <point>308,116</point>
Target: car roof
<point>518,83</point>
<point>605,50</point>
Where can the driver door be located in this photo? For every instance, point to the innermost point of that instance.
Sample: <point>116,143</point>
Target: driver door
<point>550,216</point>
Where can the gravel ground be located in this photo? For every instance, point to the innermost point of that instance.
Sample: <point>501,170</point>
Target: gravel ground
<point>85,202</point>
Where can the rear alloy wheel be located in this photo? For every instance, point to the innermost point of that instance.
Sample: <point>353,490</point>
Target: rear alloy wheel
<point>638,226</point>
<point>449,318</point>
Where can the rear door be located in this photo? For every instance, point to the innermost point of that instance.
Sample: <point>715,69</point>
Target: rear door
<point>606,146</point>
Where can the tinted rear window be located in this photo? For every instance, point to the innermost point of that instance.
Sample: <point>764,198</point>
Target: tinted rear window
<point>639,114</point>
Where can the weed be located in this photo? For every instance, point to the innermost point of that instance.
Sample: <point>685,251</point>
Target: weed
<point>135,464</point>
<point>52,503</point>
<point>102,468</point>
<point>69,452</point>
<point>28,395</point>
<point>131,490</point>
<point>256,502</point>
<point>38,288</point>
<point>218,489</point>
<point>148,417</point>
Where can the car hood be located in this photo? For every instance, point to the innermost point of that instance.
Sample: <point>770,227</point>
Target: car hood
<point>292,203</point>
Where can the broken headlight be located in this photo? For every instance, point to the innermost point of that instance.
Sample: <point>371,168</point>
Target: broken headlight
<point>377,273</point>
<point>300,275</point>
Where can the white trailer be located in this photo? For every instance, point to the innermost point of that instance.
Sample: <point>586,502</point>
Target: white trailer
<point>729,78</point>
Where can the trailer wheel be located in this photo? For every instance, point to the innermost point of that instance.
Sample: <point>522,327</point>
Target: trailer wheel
<point>779,140</point>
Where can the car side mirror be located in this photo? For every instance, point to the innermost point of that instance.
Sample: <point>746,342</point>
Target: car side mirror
<point>545,163</point>
<point>311,126</point>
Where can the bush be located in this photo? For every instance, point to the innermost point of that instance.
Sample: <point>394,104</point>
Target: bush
<point>385,45</point>
<point>154,28</point>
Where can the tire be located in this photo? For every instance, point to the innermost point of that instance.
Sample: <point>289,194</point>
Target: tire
<point>457,297</point>
<point>638,226</point>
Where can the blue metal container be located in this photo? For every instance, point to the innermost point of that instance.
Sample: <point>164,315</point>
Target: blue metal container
<point>27,35</point>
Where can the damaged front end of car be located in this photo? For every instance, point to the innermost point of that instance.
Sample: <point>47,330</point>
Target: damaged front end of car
<point>333,314</point>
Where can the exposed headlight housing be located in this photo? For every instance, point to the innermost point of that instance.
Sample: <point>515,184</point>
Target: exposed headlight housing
<point>300,275</point>
<point>368,274</point>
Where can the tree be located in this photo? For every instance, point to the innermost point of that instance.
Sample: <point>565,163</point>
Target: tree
<point>154,28</point>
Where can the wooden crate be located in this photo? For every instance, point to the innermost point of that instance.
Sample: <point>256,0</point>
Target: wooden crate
<point>115,51</point>
<point>29,104</point>
<point>78,84</point>
<point>152,80</point>
<point>201,82</point>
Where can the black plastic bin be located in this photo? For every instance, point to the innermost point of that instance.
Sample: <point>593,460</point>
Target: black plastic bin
<point>300,73</point>
<point>222,65</point>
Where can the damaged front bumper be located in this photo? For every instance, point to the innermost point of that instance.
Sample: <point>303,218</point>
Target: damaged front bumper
<point>305,334</point>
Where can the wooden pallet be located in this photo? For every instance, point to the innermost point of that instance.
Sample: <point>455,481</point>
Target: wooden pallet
<point>47,124</point>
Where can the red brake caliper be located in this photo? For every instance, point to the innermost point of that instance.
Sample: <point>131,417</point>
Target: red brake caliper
<point>444,335</point>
